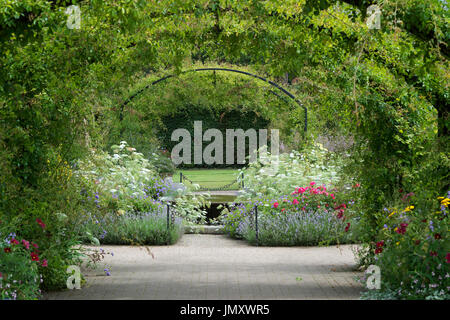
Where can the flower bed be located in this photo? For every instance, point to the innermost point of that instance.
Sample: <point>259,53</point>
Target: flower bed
<point>413,252</point>
<point>124,196</point>
<point>148,228</point>
<point>310,215</point>
<point>19,268</point>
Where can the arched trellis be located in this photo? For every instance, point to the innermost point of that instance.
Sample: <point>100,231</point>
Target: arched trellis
<point>290,95</point>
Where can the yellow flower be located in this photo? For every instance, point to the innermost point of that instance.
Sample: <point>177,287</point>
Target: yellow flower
<point>392,213</point>
<point>120,212</point>
<point>440,198</point>
<point>409,208</point>
<point>397,243</point>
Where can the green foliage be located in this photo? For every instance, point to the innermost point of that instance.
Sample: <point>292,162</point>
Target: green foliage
<point>411,250</point>
<point>136,229</point>
<point>117,178</point>
<point>19,274</point>
<point>280,175</point>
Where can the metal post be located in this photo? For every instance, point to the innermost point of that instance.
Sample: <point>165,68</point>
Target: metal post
<point>242,180</point>
<point>256,224</point>
<point>168,223</point>
<point>181,177</point>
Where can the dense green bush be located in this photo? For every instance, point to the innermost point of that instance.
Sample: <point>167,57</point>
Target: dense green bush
<point>280,175</point>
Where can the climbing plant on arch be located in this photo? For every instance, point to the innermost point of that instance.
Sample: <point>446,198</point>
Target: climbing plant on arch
<point>234,102</point>
<point>387,88</point>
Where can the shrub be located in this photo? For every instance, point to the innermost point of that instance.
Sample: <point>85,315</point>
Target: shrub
<point>412,251</point>
<point>272,178</point>
<point>19,272</point>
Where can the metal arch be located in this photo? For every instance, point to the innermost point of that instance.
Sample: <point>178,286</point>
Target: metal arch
<point>290,95</point>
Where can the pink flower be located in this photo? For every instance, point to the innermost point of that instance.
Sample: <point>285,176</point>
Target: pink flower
<point>301,190</point>
<point>312,183</point>
<point>295,201</point>
<point>14,241</point>
<point>35,245</point>
<point>275,205</point>
<point>332,195</point>
<point>448,257</point>
<point>44,263</point>
<point>26,244</point>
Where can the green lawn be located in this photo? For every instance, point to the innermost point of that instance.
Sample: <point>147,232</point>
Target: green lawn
<point>209,178</point>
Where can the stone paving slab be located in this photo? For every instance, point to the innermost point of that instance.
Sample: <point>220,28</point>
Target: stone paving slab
<point>204,266</point>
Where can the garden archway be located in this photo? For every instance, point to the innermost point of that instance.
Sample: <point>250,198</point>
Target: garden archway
<point>273,84</point>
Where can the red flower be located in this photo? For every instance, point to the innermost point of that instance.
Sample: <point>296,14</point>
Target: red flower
<point>380,244</point>
<point>282,210</point>
<point>7,250</point>
<point>433,253</point>
<point>44,263</point>
<point>447,257</point>
<point>34,256</point>
<point>402,228</point>
<point>347,227</point>
<point>424,220</point>
<point>437,236</point>
<point>39,222</point>
<point>14,241</point>
<point>378,250</point>
<point>35,245</point>
<point>275,205</point>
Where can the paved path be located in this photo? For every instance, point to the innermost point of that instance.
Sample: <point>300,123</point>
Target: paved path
<point>201,267</point>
